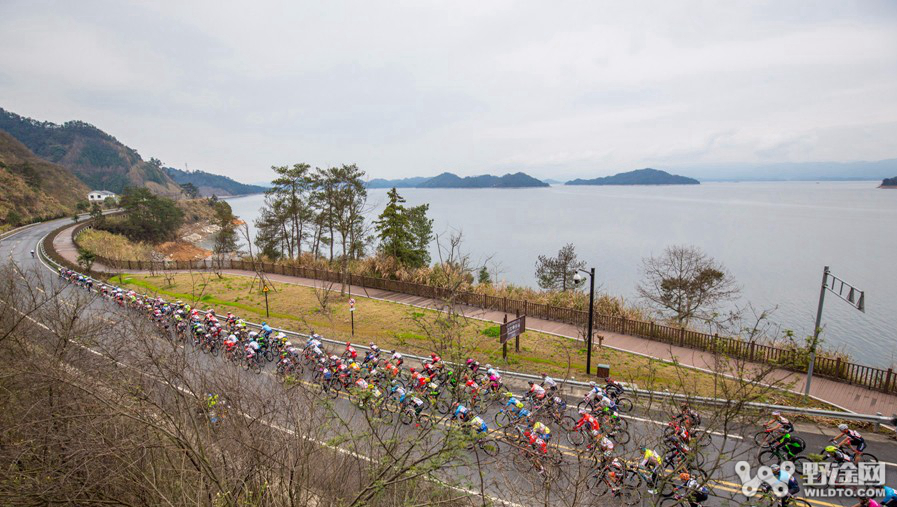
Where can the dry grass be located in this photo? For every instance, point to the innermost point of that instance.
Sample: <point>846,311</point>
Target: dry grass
<point>113,246</point>
<point>395,325</point>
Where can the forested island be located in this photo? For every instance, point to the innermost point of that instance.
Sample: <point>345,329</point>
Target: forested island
<point>889,183</point>
<point>451,180</point>
<point>639,177</point>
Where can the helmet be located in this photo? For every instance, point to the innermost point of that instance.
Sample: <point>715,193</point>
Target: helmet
<point>413,370</point>
<point>469,361</point>
<point>776,413</point>
<point>775,467</point>
<point>583,411</point>
<point>530,382</point>
<point>831,449</point>
<point>509,394</point>
<point>842,427</point>
<point>543,374</point>
<point>288,344</point>
<point>432,354</point>
<point>684,476</point>
<point>348,344</point>
<point>593,384</point>
<point>371,344</point>
<point>392,351</point>
<point>488,366</point>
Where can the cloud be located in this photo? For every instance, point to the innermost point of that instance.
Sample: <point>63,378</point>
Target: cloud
<point>411,88</point>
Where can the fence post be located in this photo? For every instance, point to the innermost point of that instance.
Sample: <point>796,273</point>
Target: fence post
<point>838,367</point>
<point>129,264</point>
<point>652,329</point>
<point>681,336</point>
<point>715,339</point>
<point>622,325</point>
<point>888,381</point>
<point>506,304</point>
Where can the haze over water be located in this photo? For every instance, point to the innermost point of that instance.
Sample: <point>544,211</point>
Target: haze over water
<point>775,237</point>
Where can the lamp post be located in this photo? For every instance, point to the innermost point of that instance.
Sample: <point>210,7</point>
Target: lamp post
<point>855,297</point>
<point>577,279</point>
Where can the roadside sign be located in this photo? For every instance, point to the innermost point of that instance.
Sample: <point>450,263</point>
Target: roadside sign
<point>512,329</point>
<point>352,304</point>
<point>265,288</point>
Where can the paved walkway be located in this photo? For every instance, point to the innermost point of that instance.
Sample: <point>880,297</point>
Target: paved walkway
<point>850,397</point>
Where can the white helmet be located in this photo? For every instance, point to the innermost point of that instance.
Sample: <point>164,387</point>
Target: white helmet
<point>776,413</point>
<point>842,427</point>
<point>593,384</point>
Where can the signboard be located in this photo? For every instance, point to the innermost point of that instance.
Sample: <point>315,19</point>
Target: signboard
<point>265,288</point>
<point>512,329</point>
<point>352,304</point>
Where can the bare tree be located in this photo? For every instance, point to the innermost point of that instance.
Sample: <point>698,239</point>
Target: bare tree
<point>557,273</point>
<point>684,283</point>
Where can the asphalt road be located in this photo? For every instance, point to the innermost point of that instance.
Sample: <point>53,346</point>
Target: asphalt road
<point>645,425</point>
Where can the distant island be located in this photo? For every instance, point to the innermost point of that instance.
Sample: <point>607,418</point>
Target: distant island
<point>450,180</point>
<point>639,177</point>
<point>210,184</point>
<point>889,183</point>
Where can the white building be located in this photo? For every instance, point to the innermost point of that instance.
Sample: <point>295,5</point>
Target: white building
<point>100,196</point>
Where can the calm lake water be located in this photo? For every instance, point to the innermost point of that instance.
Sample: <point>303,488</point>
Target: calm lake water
<point>774,237</point>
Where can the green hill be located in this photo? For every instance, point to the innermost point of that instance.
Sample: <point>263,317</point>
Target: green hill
<point>210,184</point>
<point>450,180</point>
<point>639,177</point>
<point>889,182</point>
<point>95,157</point>
<point>32,187</point>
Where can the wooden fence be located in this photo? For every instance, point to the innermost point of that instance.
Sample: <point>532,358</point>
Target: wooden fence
<point>792,359</point>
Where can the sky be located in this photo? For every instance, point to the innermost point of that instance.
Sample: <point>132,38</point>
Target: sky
<point>413,88</point>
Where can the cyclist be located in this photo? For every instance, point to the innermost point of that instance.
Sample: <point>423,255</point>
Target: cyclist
<point>266,329</point>
<point>595,393</point>
<point>835,453</point>
<point>853,439</point>
<point>494,379</point>
<point>791,445</point>
<point>652,462</point>
<point>890,499</point>
<point>865,501</point>
<point>788,480</point>
<point>460,412</point>
<point>606,448</point>
<point>587,418</point>
<point>473,365</point>
<point>397,358</point>
<point>536,391</point>
<point>372,356</point>
<point>517,407</point>
<point>687,416</point>
<point>692,491</point>
<point>542,431</point>
<point>549,383</point>
<point>32,254</point>
<point>350,351</point>
<point>778,423</point>
<point>477,423</point>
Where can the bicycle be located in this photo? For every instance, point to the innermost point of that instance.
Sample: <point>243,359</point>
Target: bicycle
<point>777,455</point>
<point>603,483</point>
<point>409,414</point>
<point>765,497</point>
<point>488,445</point>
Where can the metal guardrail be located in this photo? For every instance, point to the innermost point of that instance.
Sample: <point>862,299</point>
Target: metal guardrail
<point>701,400</point>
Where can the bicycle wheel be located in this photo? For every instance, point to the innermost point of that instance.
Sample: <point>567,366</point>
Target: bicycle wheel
<point>798,502</point>
<point>629,496</point>
<point>621,424</point>
<point>489,446</point>
<point>596,484</point>
<point>424,421</point>
<point>443,406</point>
<point>256,367</point>
<point>522,461</point>
<point>760,438</point>
<point>576,438</point>
<point>868,458</point>
<point>567,423</point>
<point>584,405</point>
<point>502,419</point>
<point>768,457</point>
<point>624,405</point>
<point>621,437</point>
<point>406,417</point>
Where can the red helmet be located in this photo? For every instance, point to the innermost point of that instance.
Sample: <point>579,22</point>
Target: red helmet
<point>348,344</point>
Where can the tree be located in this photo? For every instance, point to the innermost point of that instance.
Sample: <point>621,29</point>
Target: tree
<point>110,202</point>
<point>191,190</point>
<point>149,217</point>
<point>96,213</point>
<point>685,283</point>
<point>86,259</point>
<point>13,218</point>
<point>347,200</point>
<point>556,273</point>
<point>483,277</point>
<point>405,233</point>
<point>283,224</point>
<point>226,237</point>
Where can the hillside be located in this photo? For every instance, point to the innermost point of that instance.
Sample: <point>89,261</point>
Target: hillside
<point>401,183</point>
<point>450,180</point>
<point>889,182</point>
<point>96,158</point>
<point>33,187</point>
<point>212,184</point>
<point>639,177</point>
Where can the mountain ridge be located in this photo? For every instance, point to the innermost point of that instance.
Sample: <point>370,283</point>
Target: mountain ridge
<point>96,158</point>
<point>647,176</point>
<point>452,180</point>
<point>210,184</point>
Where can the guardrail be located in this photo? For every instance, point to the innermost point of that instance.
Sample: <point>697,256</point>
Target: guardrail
<point>877,419</point>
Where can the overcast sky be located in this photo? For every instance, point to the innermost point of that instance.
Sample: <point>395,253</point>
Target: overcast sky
<point>556,89</point>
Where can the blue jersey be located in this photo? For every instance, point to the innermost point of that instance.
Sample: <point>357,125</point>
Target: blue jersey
<point>890,495</point>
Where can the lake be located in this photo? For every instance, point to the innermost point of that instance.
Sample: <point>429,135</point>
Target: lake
<point>775,238</point>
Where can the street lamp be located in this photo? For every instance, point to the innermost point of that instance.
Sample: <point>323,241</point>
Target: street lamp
<point>578,279</point>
